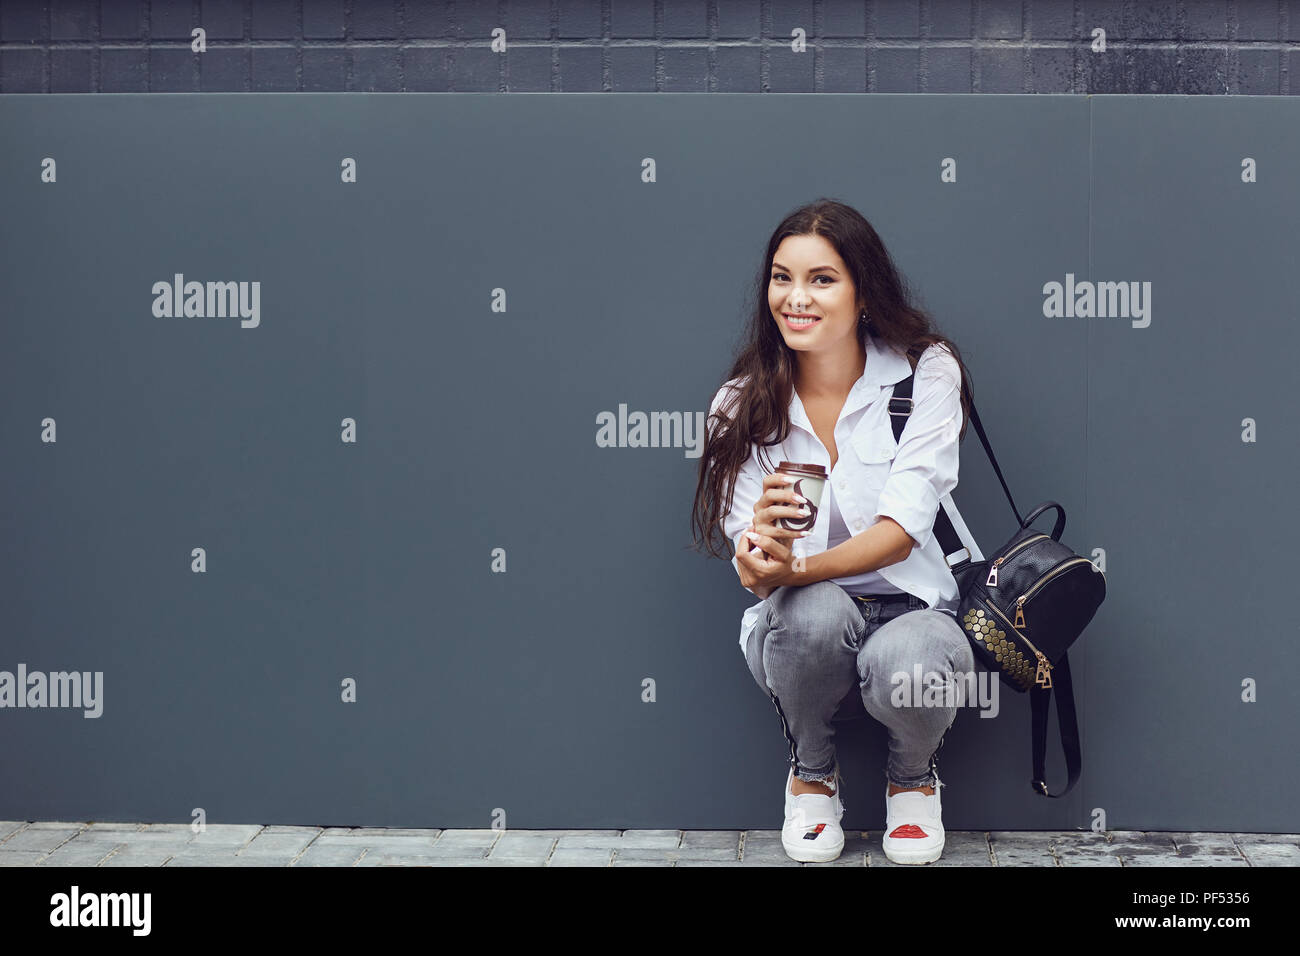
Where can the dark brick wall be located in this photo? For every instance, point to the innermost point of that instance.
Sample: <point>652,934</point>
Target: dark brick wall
<point>928,46</point>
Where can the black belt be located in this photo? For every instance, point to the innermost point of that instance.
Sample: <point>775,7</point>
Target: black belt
<point>882,598</point>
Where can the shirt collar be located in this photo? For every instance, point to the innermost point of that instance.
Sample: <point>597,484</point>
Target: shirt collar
<point>885,366</point>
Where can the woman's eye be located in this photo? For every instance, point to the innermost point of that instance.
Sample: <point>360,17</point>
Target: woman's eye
<point>782,275</point>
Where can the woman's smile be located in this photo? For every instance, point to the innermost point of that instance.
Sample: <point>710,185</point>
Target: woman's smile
<point>798,323</point>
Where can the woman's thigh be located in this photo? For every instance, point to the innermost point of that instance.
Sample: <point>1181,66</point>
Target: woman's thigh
<point>809,630</point>
<point>924,639</point>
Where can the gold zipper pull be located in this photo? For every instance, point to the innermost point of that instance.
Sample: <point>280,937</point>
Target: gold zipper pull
<point>993,574</point>
<point>1019,622</point>
<point>1044,674</point>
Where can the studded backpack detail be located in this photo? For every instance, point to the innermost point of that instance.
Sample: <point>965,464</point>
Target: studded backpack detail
<point>1022,607</point>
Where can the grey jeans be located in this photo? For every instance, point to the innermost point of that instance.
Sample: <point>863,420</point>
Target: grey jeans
<point>822,655</point>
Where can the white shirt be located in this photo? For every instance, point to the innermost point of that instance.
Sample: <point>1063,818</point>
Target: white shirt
<point>874,475</point>
<point>868,582</point>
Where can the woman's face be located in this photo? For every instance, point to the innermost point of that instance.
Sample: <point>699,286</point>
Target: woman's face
<point>808,278</point>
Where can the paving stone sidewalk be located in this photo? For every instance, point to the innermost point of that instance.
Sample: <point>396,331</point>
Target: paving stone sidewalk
<point>175,844</point>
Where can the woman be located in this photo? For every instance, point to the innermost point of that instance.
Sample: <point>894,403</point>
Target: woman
<point>857,602</point>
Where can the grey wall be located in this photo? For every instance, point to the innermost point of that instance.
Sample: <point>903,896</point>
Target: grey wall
<point>481,688</point>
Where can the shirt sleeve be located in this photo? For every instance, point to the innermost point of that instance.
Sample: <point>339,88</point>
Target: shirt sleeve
<point>749,482</point>
<point>925,467</point>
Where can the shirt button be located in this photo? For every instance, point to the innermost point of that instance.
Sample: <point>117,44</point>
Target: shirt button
<point>844,485</point>
<point>857,525</point>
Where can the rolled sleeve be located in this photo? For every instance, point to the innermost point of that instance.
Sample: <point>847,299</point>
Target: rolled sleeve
<point>925,468</point>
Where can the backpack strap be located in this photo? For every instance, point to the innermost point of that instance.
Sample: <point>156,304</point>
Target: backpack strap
<point>900,406</point>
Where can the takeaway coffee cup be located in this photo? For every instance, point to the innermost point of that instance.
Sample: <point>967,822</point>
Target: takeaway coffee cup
<point>812,479</point>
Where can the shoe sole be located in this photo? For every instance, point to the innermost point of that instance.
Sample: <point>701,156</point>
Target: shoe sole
<point>808,855</point>
<point>913,856</point>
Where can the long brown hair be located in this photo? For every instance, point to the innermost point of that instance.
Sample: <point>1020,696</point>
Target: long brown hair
<point>761,415</point>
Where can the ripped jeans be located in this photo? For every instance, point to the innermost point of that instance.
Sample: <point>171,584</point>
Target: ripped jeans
<point>822,654</point>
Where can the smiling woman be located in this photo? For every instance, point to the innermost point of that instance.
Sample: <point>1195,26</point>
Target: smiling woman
<point>867,590</point>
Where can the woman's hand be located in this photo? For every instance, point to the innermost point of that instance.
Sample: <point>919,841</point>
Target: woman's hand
<point>764,556</point>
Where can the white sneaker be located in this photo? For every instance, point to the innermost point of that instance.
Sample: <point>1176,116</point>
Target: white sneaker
<point>811,832</point>
<point>913,826</point>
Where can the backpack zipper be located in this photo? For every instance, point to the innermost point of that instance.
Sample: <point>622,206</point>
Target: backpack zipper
<point>992,580</point>
<point>1020,601</point>
<point>1044,673</point>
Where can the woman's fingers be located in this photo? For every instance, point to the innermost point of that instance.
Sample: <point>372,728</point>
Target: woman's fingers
<point>774,547</point>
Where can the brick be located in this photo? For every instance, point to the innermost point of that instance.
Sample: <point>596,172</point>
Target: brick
<point>73,20</point>
<point>170,21</point>
<point>226,835</point>
<point>277,844</point>
<point>742,19</point>
<point>632,69</point>
<point>388,857</point>
<point>382,833</point>
<point>528,69</point>
<point>951,20</point>
<point>22,21</point>
<point>139,856</point>
<point>335,855</point>
<point>598,839</point>
<point>476,69</point>
<point>1001,69</point>
<point>1083,848</point>
<point>647,853</point>
<point>22,71</point>
<point>960,848</point>
<point>374,69</point>
<point>79,854</point>
<point>20,857</point>
<point>844,70</point>
<point>214,858</point>
<point>373,20</point>
<point>629,19</point>
<point>901,18</point>
<point>323,19</point>
<point>274,20</point>
<point>1050,20</point>
<point>222,19</point>
<point>895,70</point>
<point>581,70</point>
<point>996,20</point>
<point>789,72</point>
<point>171,71</point>
<point>581,856</point>
<point>425,69</point>
<point>579,19</point>
<point>533,847</point>
<point>688,19</point>
<point>1014,848</point>
<point>685,71</point>
<point>122,20</point>
<point>1262,850</point>
<point>725,839</point>
<point>39,839</point>
<point>1137,848</point>
<point>174,838</point>
<point>69,70</point>
<point>650,838</point>
<point>274,69</point>
<point>430,19</point>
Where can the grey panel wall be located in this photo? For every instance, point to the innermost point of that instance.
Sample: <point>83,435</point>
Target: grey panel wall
<point>511,680</point>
